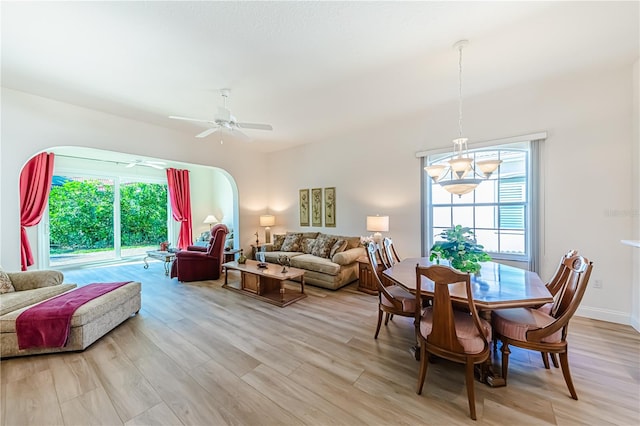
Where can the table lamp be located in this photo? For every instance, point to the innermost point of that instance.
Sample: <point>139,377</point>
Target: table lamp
<point>378,224</point>
<point>267,220</point>
<point>210,220</point>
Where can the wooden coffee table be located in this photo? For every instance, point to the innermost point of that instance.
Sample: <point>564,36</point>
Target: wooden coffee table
<point>266,284</point>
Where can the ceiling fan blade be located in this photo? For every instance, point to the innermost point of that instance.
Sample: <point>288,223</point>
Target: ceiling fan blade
<point>155,166</point>
<point>206,132</point>
<point>130,165</point>
<point>255,126</point>
<point>175,117</point>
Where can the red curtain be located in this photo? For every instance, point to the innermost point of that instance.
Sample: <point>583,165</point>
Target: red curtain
<point>35,184</point>
<point>178,182</point>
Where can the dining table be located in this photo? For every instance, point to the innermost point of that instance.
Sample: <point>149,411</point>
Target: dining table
<point>496,286</point>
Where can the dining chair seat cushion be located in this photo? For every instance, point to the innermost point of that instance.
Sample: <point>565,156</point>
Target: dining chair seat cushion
<point>516,322</point>
<point>546,308</point>
<point>407,299</point>
<point>466,331</point>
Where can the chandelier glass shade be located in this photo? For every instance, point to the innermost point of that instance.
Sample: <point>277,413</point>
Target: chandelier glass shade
<point>460,176</point>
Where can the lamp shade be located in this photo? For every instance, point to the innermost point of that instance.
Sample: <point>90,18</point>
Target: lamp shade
<point>378,223</point>
<point>210,219</point>
<point>267,220</point>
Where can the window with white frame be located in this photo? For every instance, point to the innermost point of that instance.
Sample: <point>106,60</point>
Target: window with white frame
<point>498,211</point>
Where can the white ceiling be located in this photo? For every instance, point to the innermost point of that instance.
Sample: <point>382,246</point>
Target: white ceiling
<point>311,69</point>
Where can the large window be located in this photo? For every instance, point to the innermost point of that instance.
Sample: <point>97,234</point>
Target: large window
<point>498,211</point>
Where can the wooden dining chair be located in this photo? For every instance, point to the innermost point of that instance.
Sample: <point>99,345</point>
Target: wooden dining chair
<point>388,252</point>
<point>530,328</point>
<point>555,285</point>
<point>392,299</point>
<point>450,333</point>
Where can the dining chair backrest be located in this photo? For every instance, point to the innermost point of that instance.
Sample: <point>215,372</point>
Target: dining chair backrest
<point>443,334</point>
<point>579,270</point>
<point>372,255</point>
<point>560,276</point>
<point>389,252</point>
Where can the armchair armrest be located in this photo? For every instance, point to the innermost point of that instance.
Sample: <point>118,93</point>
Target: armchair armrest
<point>348,256</point>
<point>28,280</point>
<point>198,248</point>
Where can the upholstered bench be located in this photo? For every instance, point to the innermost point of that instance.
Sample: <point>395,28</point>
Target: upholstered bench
<point>89,322</point>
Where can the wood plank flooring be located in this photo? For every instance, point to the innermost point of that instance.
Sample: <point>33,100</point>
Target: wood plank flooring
<point>198,354</point>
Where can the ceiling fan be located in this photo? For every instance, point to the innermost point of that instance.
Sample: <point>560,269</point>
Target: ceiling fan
<point>225,121</point>
<point>155,164</point>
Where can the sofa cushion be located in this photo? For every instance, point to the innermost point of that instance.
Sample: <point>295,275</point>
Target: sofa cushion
<point>315,263</point>
<point>292,242</point>
<point>5,283</point>
<point>307,245</point>
<point>29,280</point>
<point>310,234</point>
<point>272,256</point>
<point>338,246</point>
<point>87,312</point>
<point>19,299</point>
<point>322,246</point>
<point>352,242</point>
<point>278,239</point>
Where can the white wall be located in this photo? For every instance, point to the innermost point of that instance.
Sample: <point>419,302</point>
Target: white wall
<point>587,172</point>
<point>588,169</point>
<point>31,124</point>
<point>635,196</point>
<point>211,193</point>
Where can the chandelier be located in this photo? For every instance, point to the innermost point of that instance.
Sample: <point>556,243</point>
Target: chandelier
<point>461,176</point>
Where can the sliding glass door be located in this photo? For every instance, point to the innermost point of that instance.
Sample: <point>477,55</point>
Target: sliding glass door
<point>95,219</point>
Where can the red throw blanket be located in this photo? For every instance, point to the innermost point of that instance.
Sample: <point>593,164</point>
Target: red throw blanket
<point>47,324</point>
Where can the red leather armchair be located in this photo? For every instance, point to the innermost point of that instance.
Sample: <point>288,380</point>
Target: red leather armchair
<point>198,263</point>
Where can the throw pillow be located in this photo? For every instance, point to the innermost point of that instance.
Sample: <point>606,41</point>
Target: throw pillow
<point>339,246</point>
<point>322,246</point>
<point>307,245</point>
<point>5,283</point>
<point>278,239</point>
<point>292,242</point>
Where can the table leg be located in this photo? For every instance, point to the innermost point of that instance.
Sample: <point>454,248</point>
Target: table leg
<point>166,267</point>
<point>486,372</point>
<point>146,265</point>
<point>282,291</point>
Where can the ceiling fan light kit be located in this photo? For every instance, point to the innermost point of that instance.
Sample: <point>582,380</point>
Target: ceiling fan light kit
<point>463,175</point>
<point>224,121</point>
<point>153,164</point>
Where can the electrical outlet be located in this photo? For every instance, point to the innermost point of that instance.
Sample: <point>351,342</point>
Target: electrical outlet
<point>597,284</point>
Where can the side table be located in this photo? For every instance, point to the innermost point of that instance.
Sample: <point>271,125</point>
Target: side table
<point>166,256</point>
<point>366,280</point>
<point>230,255</point>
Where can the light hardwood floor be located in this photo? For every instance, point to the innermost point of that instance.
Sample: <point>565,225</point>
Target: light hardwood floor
<point>198,354</point>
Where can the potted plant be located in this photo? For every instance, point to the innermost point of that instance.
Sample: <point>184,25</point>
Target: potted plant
<point>461,249</point>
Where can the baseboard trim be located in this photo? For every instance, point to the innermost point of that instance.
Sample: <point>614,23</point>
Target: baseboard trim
<point>605,315</point>
<point>635,323</point>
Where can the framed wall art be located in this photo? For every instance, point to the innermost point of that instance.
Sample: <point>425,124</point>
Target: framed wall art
<point>304,207</point>
<point>330,207</point>
<point>316,207</point>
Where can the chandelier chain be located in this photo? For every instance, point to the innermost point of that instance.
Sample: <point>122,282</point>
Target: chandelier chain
<point>460,93</point>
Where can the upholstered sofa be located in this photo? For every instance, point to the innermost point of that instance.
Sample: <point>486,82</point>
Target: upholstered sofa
<point>21,290</point>
<point>331,261</point>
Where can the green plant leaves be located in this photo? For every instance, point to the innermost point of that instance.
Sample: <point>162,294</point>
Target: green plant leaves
<point>460,248</point>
